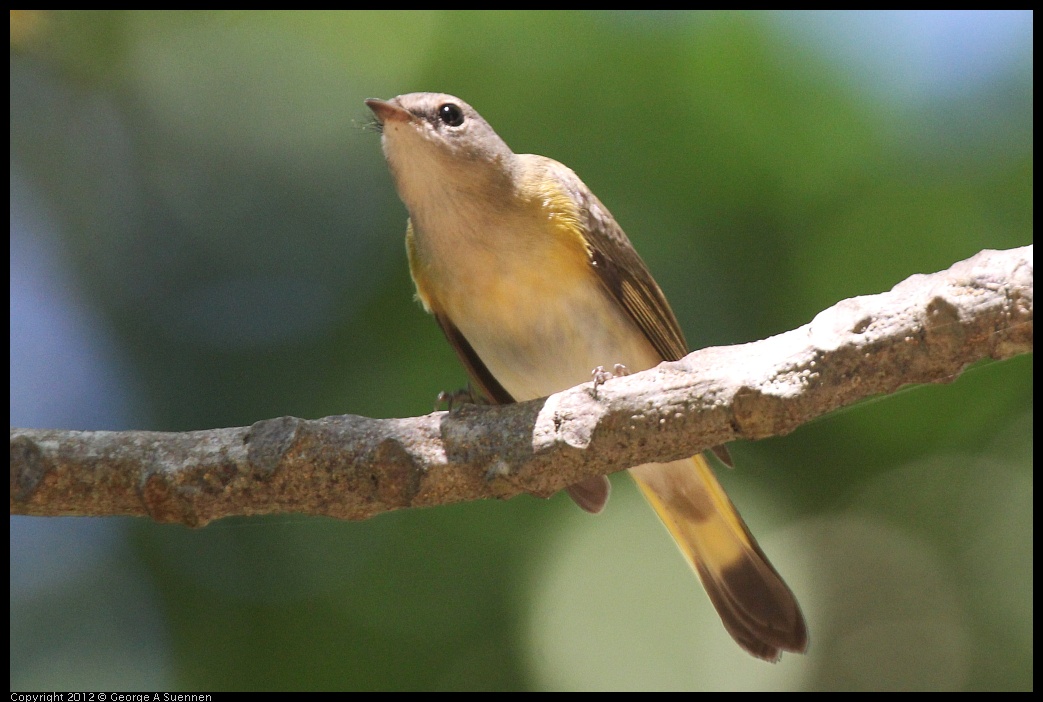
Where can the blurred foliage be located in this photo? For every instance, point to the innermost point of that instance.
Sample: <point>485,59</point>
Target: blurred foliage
<point>219,206</point>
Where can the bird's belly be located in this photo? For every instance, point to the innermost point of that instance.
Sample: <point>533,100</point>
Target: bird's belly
<point>549,334</point>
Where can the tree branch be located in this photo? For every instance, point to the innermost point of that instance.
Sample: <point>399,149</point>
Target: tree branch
<point>929,328</point>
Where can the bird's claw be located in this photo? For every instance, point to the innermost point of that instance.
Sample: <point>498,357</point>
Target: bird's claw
<point>449,400</point>
<point>600,376</point>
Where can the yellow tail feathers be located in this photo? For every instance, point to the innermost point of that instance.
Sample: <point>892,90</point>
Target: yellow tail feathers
<point>756,606</point>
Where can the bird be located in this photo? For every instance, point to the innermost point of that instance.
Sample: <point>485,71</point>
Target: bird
<point>535,285</point>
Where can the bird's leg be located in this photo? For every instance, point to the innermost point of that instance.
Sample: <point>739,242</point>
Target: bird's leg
<point>600,376</point>
<point>455,398</point>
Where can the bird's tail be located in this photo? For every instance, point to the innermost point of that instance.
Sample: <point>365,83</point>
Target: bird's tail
<point>756,606</point>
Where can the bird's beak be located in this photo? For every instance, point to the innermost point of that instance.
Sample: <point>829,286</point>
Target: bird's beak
<point>386,111</point>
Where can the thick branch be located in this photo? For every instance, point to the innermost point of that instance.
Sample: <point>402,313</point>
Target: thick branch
<point>929,328</point>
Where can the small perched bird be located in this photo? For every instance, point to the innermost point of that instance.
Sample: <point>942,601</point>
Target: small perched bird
<point>535,285</point>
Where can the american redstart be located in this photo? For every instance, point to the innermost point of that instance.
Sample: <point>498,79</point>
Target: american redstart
<point>535,285</point>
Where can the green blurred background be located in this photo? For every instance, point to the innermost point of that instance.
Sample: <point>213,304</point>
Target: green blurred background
<point>204,234</point>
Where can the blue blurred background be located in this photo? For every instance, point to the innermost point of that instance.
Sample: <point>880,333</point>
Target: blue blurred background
<point>203,234</point>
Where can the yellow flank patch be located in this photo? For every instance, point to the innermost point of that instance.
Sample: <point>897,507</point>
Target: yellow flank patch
<point>424,289</point>
<point>557,205</point>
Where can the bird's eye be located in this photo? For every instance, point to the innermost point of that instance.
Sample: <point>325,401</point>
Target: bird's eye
<point>451,114</point>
